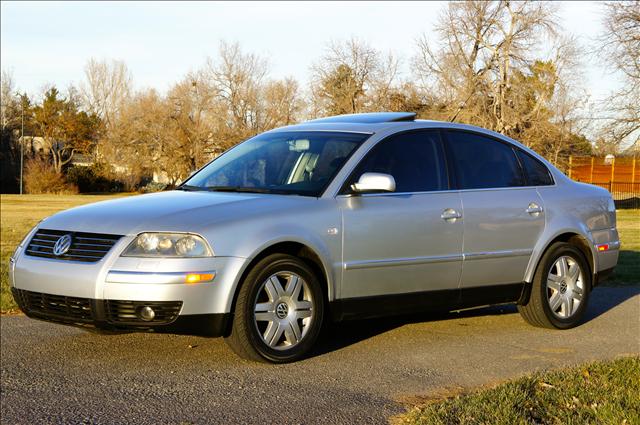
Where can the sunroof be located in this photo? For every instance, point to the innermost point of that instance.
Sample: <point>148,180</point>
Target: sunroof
<point>369,118</point>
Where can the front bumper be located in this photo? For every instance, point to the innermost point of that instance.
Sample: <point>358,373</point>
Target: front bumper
<point>118,315</point>
<point>109,292</point>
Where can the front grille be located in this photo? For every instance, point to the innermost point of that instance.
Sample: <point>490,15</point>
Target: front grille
<point>126,312</point>
<point>86,247</point>
<point>54,306</point>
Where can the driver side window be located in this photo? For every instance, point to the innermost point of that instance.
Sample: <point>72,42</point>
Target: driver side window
<point>415,160</point>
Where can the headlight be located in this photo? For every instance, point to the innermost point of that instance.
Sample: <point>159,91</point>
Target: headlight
<point>167,245</point>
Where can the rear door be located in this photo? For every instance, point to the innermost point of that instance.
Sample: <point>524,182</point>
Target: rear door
<point>399,243</point>
<point>503,216</point>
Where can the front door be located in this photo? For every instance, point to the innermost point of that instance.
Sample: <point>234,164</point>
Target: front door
<point>408,241</point>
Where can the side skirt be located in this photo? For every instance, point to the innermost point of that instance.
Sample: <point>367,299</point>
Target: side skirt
<point>428,301</point>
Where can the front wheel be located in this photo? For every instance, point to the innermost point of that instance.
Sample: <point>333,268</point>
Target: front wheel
<point>560,289</point>
<point>279,311</point>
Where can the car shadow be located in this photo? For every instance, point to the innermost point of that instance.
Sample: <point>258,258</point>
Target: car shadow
<point>605,298</point>
<point>337,336</point>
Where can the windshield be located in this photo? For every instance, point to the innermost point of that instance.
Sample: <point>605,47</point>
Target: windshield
<point>301,163</point>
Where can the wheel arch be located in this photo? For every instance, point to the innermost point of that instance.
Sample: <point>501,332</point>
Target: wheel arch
<point>573,237</point>
<point>295,248</point>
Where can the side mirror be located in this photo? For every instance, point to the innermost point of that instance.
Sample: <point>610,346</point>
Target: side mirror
<point>374,182</point>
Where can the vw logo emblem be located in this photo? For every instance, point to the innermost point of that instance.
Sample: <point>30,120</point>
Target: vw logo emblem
<point>62,245</point>
<point>282,310</point>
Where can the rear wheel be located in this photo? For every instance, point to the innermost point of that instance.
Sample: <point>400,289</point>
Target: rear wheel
<point>560,289</point>
<point>279,311</point>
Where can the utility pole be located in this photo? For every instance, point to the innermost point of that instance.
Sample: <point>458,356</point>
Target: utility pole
<point>22,143</point>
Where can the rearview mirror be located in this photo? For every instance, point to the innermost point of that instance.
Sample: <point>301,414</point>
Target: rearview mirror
<point>374,182</point>
<point>301,145</point>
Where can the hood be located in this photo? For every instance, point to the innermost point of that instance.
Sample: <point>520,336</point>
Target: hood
<point>166,211</point>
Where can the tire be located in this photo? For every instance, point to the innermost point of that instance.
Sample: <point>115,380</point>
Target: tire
<point>266,315</point>
<point>559,297</point>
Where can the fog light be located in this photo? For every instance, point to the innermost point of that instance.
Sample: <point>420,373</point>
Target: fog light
<point>146,313</point>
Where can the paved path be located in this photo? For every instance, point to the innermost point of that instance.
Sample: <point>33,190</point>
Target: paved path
<point>364,372</point>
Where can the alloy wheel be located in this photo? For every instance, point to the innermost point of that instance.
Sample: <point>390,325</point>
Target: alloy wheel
<point>283,310</point>
<point>565,287</point>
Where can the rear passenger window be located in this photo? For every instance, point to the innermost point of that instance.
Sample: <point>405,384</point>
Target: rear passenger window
<point>537,173</point>
<point>481,162</point>
<point>414,159</point>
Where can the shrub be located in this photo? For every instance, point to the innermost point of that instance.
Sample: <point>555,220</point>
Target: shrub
<point>91,179</point>
<point>153,187</point>
<point>41,177</point>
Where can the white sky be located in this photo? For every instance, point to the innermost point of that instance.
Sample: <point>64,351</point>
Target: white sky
<point>50,42</point>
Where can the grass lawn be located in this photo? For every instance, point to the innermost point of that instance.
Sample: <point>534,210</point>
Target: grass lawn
<point>598,393</point>
<point>628,269</point>
<point>20,213</point>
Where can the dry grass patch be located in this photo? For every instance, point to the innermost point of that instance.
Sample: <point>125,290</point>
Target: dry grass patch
<point>18,214</point>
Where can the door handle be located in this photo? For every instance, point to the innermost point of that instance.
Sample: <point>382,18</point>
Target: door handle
<point>450,215</point>
<point>534,209</point>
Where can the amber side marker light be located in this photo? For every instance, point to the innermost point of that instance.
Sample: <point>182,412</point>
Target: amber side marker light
<point>198,277</point>
<point>603,247</point>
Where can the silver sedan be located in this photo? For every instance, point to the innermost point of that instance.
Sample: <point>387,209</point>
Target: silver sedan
<point>345,217</point>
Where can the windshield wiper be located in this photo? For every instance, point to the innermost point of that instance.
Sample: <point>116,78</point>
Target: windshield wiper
<point>244,189</point>
<point>189,188</point>
<point>237,189</point>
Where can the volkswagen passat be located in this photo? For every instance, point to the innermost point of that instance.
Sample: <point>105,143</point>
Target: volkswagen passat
<point>344,217</point>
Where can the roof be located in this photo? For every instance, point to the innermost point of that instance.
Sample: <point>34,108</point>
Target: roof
<point>370,123</point>
<point>368,118</point>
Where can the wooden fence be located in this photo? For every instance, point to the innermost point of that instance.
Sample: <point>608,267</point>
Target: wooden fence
<point>620,176</point>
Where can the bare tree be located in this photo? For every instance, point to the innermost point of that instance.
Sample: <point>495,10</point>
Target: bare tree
<point>11,109</point>
<point>245,101</point>
<point>385,85</point>
<point>209,110</point>
<point>483,46</point>
<point>282,103</point>
<point>107,87</point>
<point>236,78</point>
<point>9,103</point>
<point>352,77</point>
<point>621,43</point>
<point>137,142</point>
<point>193,104</point>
